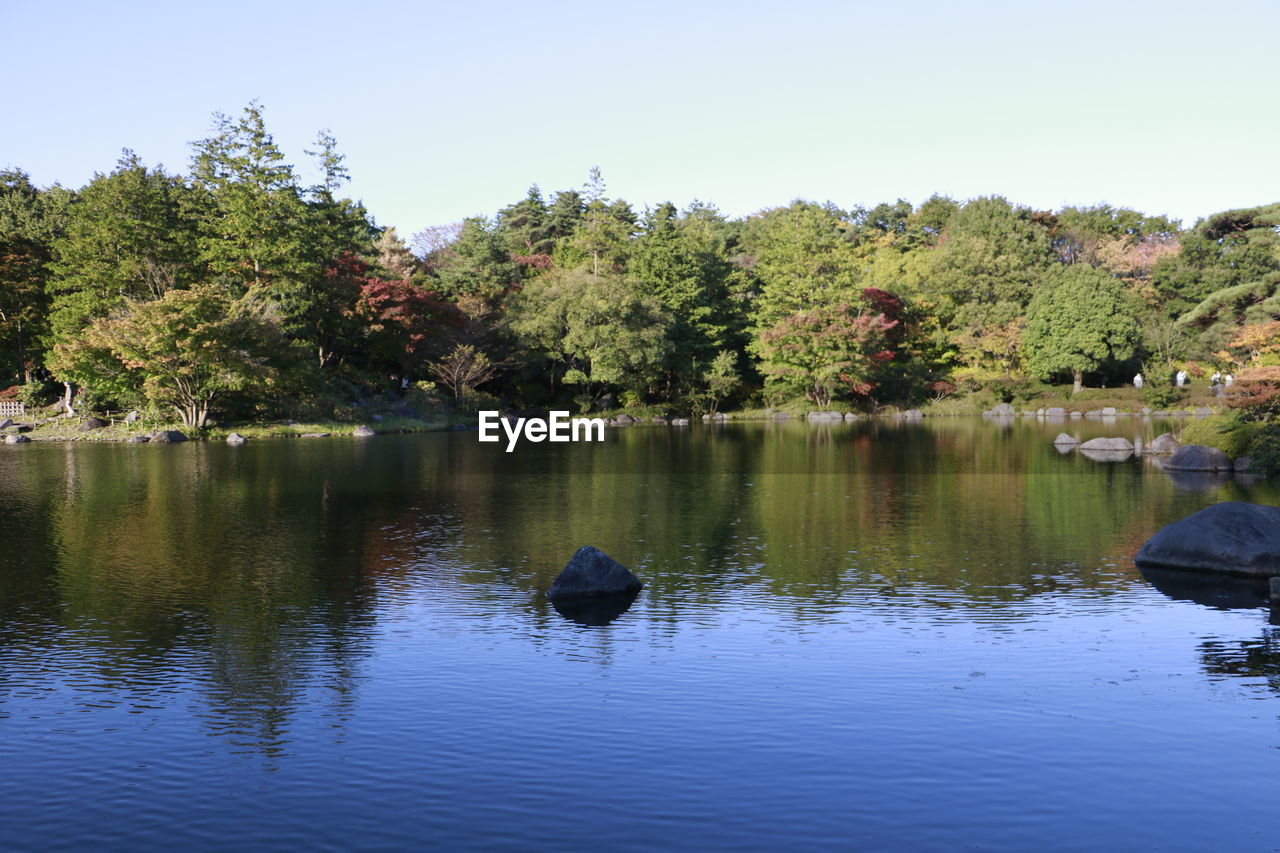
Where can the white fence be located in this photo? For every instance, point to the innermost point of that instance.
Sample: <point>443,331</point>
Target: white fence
<point>11,408</point>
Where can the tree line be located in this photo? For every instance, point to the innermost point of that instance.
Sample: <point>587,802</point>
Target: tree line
<point>235,289</point>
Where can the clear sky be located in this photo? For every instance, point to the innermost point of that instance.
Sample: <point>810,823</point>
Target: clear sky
<point>452,109</point>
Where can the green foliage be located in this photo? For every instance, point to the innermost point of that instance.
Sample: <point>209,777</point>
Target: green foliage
<point>1161,395</point>
<point>596,330</point>
<point>39,393</point>
<point>1227,432</point>
<point>1078,321</point>
<point>1264,449</point>
<point>182,351</point>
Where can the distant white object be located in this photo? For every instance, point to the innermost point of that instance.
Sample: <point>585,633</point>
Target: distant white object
<point>1229,380</point>
<point>1216,378</point>
<point>1181,378</point>
<point>1137,381</point>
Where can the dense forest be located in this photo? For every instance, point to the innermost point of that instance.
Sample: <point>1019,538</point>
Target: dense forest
<point>235,291</point>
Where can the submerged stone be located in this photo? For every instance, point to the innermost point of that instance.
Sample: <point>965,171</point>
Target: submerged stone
<point>1064,439</point>
<point>1110,445</point>
<point>1234,538</point>
<point>591,572</point>
<point>170,436</point>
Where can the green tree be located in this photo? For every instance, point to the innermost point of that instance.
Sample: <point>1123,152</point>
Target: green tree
<point>1078,321</point>
<point>126,237</point>
<point>596,330</point>
<point>184,350</point>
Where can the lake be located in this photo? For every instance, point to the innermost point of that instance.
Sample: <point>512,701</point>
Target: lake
<point>880,635</point>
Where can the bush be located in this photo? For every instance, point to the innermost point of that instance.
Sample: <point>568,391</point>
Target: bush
<point>1161,396</point>
<point>1228,433</point>
<point>1264,449</point>
<point>36,394</point>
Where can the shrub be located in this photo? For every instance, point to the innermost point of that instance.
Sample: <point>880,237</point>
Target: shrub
<point>1228,433</point>
<point>1161,396</point>
<point>36,394</point>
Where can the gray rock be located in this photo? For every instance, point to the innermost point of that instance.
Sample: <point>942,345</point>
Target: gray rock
<point>850,416</point>
<point>16,439</point>
<point>782,416</point>
<point>138,439</point>
<point>1106,455</point>
<point>89,424</point>
<point>1064,439</point>
<point>1197,457</point>
<point>626,419</point>
<point>167,436</point>
<point>1107,411</point>
<point>236,438</point>
<point>1055,412</point>
<point>658,419</point>
<point>1242,464</point>
<point>363,431</point>
<point>682,421</point>
<point>1232,538</point>
<point>911,415</point>
<point>826,416</point>
<point>6,423</point>
<point>590,573</point>
<point>1109,445</point>
<point>132,417</point>
<point>314,435</point>
<point>1076,415</point>
<point>1002,410</point>
<point>1163,444</point>
<point>719,416</point>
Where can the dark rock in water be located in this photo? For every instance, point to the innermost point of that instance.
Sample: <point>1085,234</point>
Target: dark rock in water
<point>1110,445</point>
<point>1197,457</point>
<point>236,438</point>
<point>590,573</point>
<point>314,435</point>
<point>16,439</point>
<point>91,424</point>
<point>363,431</point>
<point>1163,444</point>
<point>624,418</point>
<point>1233,538</point>
<point>594,612</point>
<point>137,439</point>
<point>169,436</point>
<point>1065,439</point>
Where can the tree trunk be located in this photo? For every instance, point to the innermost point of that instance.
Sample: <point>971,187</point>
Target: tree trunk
<point>1078,375</point>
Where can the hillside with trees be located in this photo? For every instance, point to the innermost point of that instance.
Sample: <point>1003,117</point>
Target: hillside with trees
<point>232,292</point>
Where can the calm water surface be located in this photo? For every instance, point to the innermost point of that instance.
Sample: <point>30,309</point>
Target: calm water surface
<point>869,636</point>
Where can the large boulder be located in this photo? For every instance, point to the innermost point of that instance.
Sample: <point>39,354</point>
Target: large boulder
<point>1197,457</point>
<point>1055,412</point>
<point>1002,410</point>
<point>1231,538</point>
<point>167,436</point>
<point>1109,445</point>
<point>625,419</point>
<point>911,415</point>
<point>5,423</point>
<point>91,424</point>
<point>826,416</point>
<point>15,439</point>
<point>1064,439</point>
<point>236,438</point>
<point>363,431</point>
<point>591,573</point>
<point>1162,444</point>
